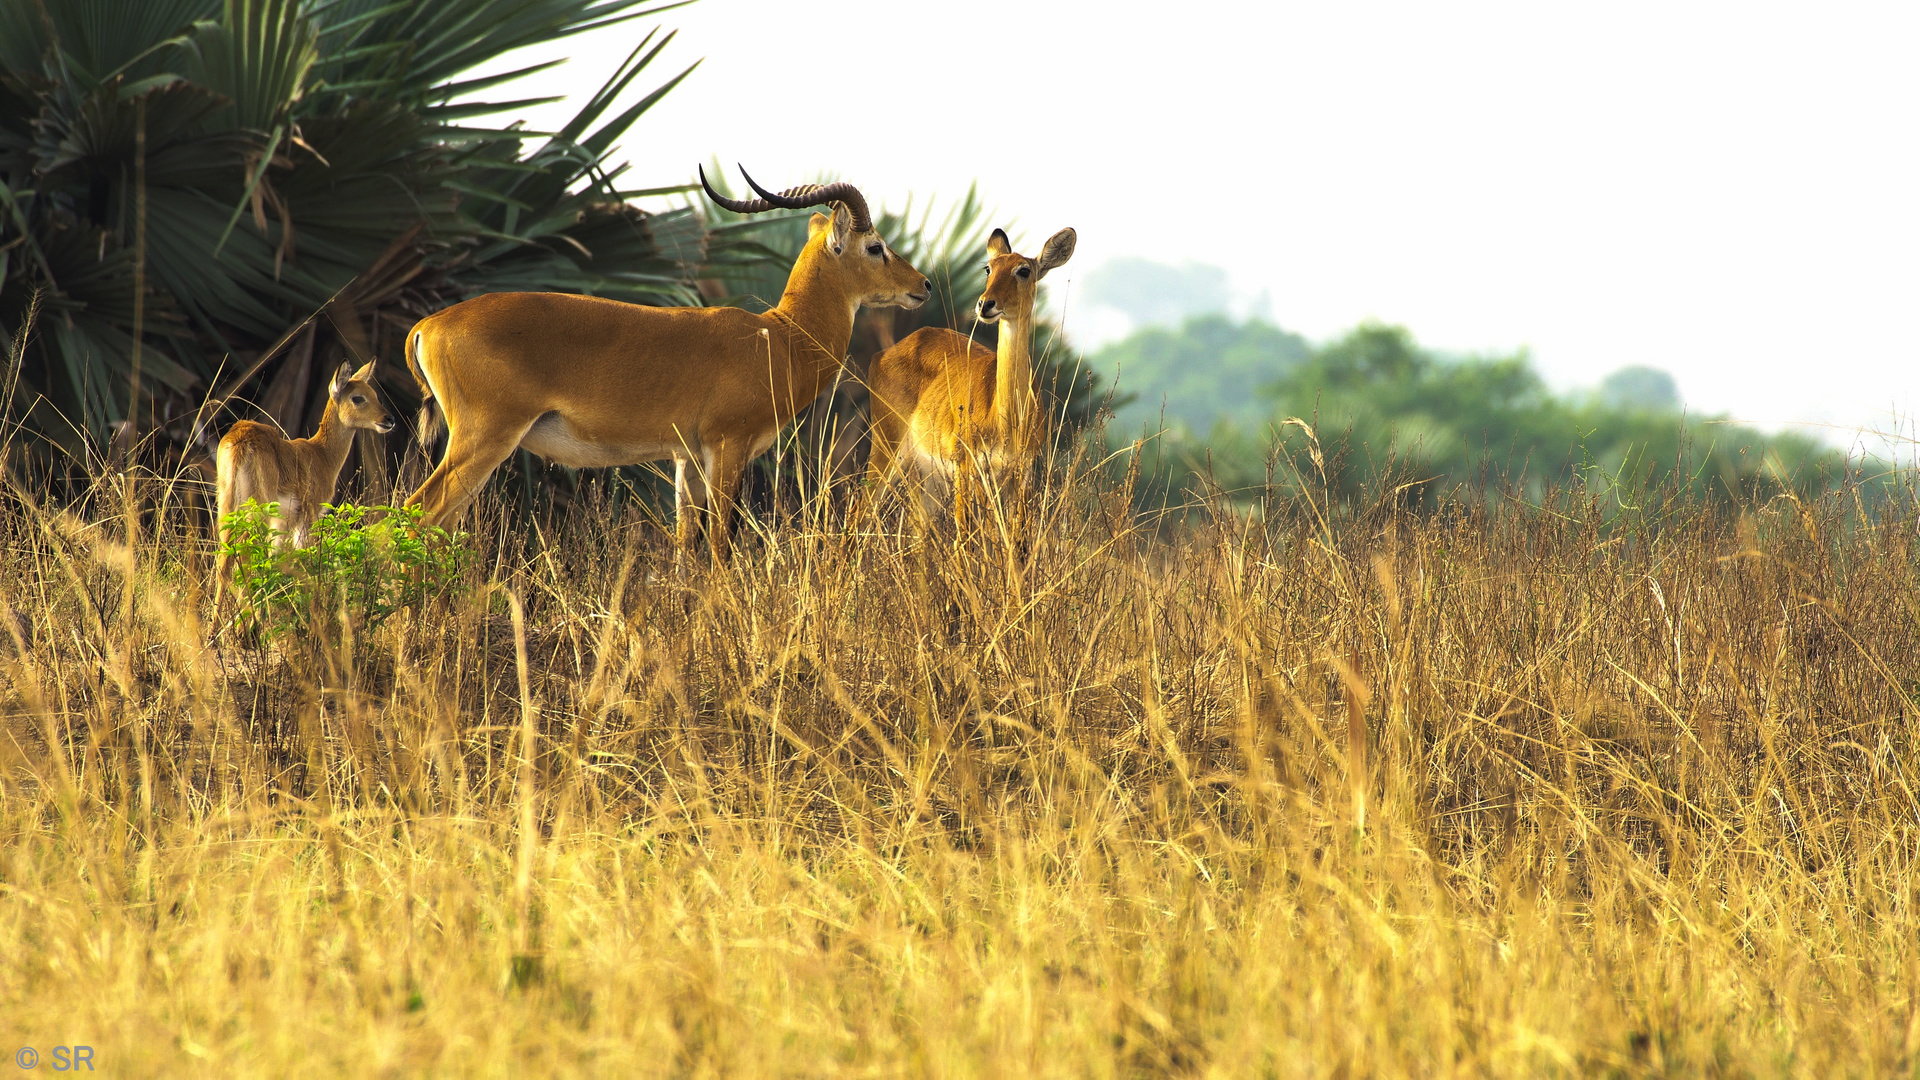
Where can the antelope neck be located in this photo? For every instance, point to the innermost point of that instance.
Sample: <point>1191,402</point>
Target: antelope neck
<point>822,314</point>
<point>1013,374</point>
<point>333,438</point>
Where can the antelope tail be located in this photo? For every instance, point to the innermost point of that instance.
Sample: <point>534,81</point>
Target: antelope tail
<point>430,425</point>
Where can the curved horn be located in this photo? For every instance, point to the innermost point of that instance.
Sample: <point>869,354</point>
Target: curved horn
<point>738,206</point>
<point>799,198</point>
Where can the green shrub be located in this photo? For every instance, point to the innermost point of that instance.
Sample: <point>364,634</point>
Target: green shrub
<point>368,571</point>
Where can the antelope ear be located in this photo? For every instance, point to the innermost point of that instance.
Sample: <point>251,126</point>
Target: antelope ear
<point>365,374</point>
<point>1058,250</point>
<point>837,226</point>
<point>997,244</point>
<point>842,227</point>
<point>340,380</point>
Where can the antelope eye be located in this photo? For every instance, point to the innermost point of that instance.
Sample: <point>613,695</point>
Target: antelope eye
<point>1024,272</point>
<point>358,400</point>
<point>874,249</point>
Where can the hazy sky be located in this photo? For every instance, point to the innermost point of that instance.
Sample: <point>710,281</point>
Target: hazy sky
<point>1728,191</point>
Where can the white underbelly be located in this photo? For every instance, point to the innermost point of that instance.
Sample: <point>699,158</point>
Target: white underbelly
<point>553,438</point>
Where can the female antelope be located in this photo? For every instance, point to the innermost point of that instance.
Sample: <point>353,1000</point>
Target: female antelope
<point>256,461</point>
<point>944,405</point>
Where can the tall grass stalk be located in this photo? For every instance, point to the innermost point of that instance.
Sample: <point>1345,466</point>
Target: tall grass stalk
<point>1508,790</point>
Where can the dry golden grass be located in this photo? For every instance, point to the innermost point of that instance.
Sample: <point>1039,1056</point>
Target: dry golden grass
<point>1639,799</point>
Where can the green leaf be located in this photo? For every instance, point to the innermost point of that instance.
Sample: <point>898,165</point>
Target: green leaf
<point>258,55</point>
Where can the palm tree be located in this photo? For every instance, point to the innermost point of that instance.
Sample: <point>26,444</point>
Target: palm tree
<point>204,202</point>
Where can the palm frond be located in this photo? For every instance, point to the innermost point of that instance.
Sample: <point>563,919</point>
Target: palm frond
<point>306,165</point>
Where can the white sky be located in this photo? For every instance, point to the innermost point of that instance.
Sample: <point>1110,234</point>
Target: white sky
<point>1727,191</point>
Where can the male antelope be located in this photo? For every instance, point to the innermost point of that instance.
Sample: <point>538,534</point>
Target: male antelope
<point>942,403</point>
<point>255,461</point>
<point>585,381</point>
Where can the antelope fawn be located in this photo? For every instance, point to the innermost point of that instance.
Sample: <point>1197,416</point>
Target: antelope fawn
<point>256,461</point>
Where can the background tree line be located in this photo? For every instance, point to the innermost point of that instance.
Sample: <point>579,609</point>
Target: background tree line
<point>1239,407</point>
